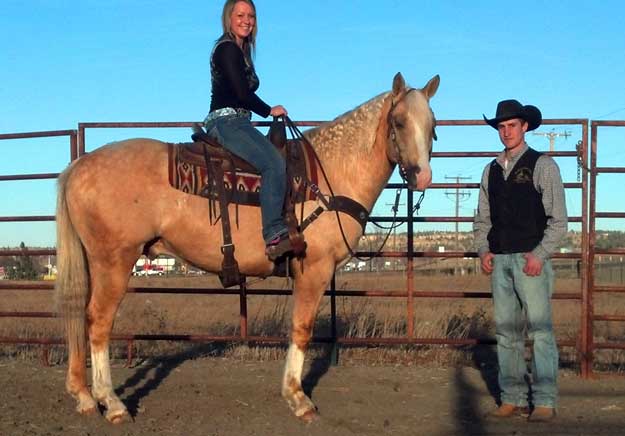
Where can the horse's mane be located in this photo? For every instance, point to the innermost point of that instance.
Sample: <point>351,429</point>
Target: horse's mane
<point>353,131</point>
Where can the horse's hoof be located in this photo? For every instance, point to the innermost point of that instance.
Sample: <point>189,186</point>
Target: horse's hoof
<point>86,405</point>
<point>309,416</point>
<point>87,411</point>
<point>118,418</point>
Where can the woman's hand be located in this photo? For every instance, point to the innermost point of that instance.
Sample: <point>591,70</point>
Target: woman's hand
<point>278,111</point>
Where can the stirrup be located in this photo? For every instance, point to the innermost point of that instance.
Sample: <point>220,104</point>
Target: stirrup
<point>275,250</point>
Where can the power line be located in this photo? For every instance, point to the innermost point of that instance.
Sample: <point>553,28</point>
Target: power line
<point>610,113</point>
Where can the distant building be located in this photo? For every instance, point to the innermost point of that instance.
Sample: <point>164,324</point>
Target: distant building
<point>165,264</point>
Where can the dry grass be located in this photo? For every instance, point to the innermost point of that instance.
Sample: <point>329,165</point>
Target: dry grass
<point>358,317</point>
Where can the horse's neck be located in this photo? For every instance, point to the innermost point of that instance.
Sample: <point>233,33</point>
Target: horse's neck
<point>352,150</point>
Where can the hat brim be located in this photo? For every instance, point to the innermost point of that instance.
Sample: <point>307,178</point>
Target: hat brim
<point>531,114</point>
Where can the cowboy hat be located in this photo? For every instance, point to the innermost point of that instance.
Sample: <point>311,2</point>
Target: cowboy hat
<point>509,109</point>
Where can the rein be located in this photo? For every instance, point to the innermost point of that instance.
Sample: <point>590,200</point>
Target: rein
<point>363,214</point>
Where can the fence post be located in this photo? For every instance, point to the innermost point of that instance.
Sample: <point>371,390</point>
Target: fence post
<point>410,265</point>
<point>334,353</point>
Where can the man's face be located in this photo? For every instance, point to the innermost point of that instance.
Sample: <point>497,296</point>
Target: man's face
<point>512,133</point>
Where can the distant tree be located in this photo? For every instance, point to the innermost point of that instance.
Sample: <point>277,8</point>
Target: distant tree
<point>610,239</point>
<point>9,263</point>
<point>23,267</point>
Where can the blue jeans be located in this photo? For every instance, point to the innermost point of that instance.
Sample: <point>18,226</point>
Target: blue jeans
<point>516,294</point>
<point>237,134</point>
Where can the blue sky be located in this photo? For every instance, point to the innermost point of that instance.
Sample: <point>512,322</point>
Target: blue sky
<point>64,62</point>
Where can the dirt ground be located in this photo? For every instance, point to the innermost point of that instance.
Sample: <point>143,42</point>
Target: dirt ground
<point>223,397</point>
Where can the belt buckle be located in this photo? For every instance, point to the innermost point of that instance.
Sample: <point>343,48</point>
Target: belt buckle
<point>243,112</point>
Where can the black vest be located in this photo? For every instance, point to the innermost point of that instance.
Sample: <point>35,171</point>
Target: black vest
<point>516,210</point>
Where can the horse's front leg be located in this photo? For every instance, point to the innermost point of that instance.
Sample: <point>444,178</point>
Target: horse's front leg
<point>309,288</point>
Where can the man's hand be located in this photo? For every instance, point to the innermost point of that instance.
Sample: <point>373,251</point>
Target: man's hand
<point>533,265</point>
<point>487,262</point>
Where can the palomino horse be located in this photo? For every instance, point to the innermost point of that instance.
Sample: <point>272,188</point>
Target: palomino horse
<point>103,226</point>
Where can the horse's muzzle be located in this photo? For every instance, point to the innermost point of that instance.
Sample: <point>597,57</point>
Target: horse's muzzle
<point>418,179</point>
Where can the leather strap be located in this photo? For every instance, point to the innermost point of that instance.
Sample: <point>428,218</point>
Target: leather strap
<point>229,274</point>
<point>340,203</point>
<point>296,237</point>
<point>351,207</point>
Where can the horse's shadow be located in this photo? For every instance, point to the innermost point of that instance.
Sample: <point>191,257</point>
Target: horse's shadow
<point>150,374</point>
<point>319,366</point>
<point>144,382</point>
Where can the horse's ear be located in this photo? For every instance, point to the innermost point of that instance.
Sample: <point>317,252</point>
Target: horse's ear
<point>430,89</point>
<point>398,84</point>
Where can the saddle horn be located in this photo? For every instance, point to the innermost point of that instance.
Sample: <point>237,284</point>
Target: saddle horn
<point>277,132</point>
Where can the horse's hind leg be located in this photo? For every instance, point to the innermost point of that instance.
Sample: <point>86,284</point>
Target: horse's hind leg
<point>76,383</point>
<point>108,286</point>
<point>309,289</point>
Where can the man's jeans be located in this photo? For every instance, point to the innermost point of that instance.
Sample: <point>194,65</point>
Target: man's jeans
<point>237,134</point>
<point>516,294</point>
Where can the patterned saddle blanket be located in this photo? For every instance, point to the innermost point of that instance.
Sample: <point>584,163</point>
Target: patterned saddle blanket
<point>188,173</point>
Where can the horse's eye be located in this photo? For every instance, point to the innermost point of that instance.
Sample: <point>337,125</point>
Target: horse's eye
<point>434,135</point>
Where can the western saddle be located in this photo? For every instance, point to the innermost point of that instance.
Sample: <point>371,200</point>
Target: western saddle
<point>206,152</point>
<point>302,167</point>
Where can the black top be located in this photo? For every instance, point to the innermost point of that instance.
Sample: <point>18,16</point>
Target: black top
<point>516,209</point>
<point>233,78</point>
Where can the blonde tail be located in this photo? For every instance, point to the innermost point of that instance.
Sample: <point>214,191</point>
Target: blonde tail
<point>72,282</point>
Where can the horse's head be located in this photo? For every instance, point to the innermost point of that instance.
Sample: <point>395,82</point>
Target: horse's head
<point>411,126</point>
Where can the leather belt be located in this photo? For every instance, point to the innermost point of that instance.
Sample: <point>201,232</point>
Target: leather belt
<point>225,111</point>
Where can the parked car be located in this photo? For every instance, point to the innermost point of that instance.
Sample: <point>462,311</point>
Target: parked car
<point>153,271</point>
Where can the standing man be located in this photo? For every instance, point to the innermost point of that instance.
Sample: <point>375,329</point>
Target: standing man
<point>520,222</point>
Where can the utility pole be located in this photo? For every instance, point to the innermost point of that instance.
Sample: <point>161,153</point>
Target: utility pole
<point>552,137</point>
<point>460,196</point>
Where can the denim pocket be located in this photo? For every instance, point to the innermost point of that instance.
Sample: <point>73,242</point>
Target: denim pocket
<point>218,127</point>
<point>213,131</point>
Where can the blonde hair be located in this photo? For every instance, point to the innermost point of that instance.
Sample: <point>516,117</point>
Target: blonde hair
<point>249,44</point>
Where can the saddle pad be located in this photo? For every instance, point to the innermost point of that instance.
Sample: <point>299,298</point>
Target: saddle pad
<point>243,186</point>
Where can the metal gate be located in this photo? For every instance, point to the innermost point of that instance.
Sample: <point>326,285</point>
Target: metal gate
<point>585,343</point>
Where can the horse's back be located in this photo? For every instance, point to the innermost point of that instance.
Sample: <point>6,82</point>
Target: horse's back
<point>116,188</point>
<point>131,158</point>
